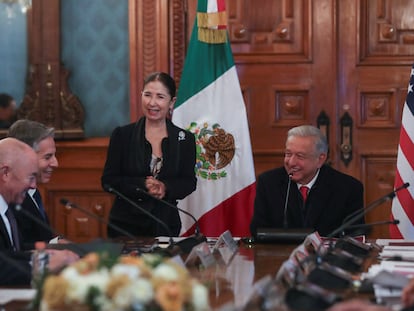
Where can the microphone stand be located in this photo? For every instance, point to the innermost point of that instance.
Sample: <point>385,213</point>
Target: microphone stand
<point>187,244</point>
<point>361,212</point>
<point>101,220</point>
<point>197,230</point>
<point>370,225</point>
<point>79,250</point>
<point>352,218</point>
<point>349,244</point>
<point>285,222</point>
<point>125,198</point>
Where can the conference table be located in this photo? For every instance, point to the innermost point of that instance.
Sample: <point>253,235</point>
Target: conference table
<point>233,284</point>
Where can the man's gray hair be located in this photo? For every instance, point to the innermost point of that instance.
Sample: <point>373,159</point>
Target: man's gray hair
<point>30,132</point>
<point>321,144</point>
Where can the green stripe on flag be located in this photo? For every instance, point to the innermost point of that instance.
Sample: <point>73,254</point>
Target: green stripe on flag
<point>216,60</point>
<point>202,6</point>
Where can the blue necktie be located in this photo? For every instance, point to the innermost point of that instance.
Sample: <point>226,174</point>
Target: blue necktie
<point>14,229</point>
<point>38,200</point>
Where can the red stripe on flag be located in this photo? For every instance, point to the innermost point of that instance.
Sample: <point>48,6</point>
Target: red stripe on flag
<point>237,208</point>
<point>394,231</point>
<point>221,5</point>
<point>407,146</point>
<point>407,203</point>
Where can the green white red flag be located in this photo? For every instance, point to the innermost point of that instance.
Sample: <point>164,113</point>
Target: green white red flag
<point>210,104</point>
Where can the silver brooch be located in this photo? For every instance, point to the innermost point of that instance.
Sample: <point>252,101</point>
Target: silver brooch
<point>181,135</point>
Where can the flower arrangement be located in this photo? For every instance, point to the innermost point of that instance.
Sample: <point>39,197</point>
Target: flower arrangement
<point>148,282</point>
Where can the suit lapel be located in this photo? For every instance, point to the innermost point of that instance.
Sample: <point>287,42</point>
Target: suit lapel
<point>30,206</point>
<point>5,242</point>
<point>318,197</point>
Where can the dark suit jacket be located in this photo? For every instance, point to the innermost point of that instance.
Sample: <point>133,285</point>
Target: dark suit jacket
<point>127,166</point>
<point>14,266</point>
<point>30,230</point>
<point>13,271</point>
<point>333,196</point>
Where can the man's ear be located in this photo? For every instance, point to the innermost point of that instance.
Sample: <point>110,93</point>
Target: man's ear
<point>322,159</point>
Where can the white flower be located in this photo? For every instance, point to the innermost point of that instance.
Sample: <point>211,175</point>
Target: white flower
<point>139,291</point>
<point>79,285</point>
<point>200,297</point>
<point>143,291</point>
<point>166,272</point>
<point>133,272</point>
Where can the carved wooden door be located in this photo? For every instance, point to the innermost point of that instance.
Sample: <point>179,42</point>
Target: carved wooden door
<point>375,54</point>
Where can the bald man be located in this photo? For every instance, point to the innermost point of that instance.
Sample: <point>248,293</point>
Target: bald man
<point>18,173</point>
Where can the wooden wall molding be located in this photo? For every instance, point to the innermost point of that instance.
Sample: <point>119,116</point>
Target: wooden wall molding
<point>387,35</point>
<point>149,40</point>
<point>78,179</point>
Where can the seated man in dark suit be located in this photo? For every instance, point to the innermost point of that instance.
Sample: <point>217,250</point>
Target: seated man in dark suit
<point>41,139</point>
<point>18,172</point>
<point>328,197</point>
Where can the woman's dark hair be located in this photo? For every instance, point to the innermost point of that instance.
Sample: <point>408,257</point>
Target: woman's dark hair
<point>165,79</point>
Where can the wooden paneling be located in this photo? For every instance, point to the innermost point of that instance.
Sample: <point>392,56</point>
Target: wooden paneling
<point>374,67</point>
<point>77,179</point>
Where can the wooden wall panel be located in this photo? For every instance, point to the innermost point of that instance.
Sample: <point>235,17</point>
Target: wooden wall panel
<point>374,66</point>
<point>379,173</point>
<point>387,33</point>
<point>77,179</point>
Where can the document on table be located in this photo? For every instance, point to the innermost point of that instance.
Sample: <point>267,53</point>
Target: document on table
<point>9,294</point>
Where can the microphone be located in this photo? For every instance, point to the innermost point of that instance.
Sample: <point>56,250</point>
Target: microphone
<point>372,224</point>
<point>351,245</point>
<point>197,225</point>
<point>76,248</point>
<point>19,209</point>
<point>159,221</point>
<point>352,218</point>
<point>66,202</point>
<point>187,244</point>
<point>284,234</point>
<point>389,196</point>
<point>285,221</point>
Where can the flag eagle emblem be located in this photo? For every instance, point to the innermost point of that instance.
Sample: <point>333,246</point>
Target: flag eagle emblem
<point>215,150</point>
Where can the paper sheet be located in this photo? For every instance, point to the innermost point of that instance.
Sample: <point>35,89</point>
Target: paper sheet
<point>8,294</point>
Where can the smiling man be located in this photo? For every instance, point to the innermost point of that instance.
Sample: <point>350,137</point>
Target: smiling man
<point>41,139</point>
<point>319,197</point>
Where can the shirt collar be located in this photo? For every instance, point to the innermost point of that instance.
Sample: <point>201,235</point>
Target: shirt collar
<point>3,206</point>
<point>311,183</point>
<point>31,192</point>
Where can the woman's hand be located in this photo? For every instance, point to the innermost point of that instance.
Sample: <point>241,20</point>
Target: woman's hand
<point>155,187</point>
<point>60,258</point>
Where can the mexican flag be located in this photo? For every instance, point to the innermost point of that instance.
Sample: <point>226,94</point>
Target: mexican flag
<point>210,104</point>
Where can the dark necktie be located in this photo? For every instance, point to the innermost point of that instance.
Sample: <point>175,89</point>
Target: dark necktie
<point>304,191</point>
<point>38,199</point>
<point>14,229</point>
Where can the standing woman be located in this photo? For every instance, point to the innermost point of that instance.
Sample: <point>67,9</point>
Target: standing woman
<point>154,155</point>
